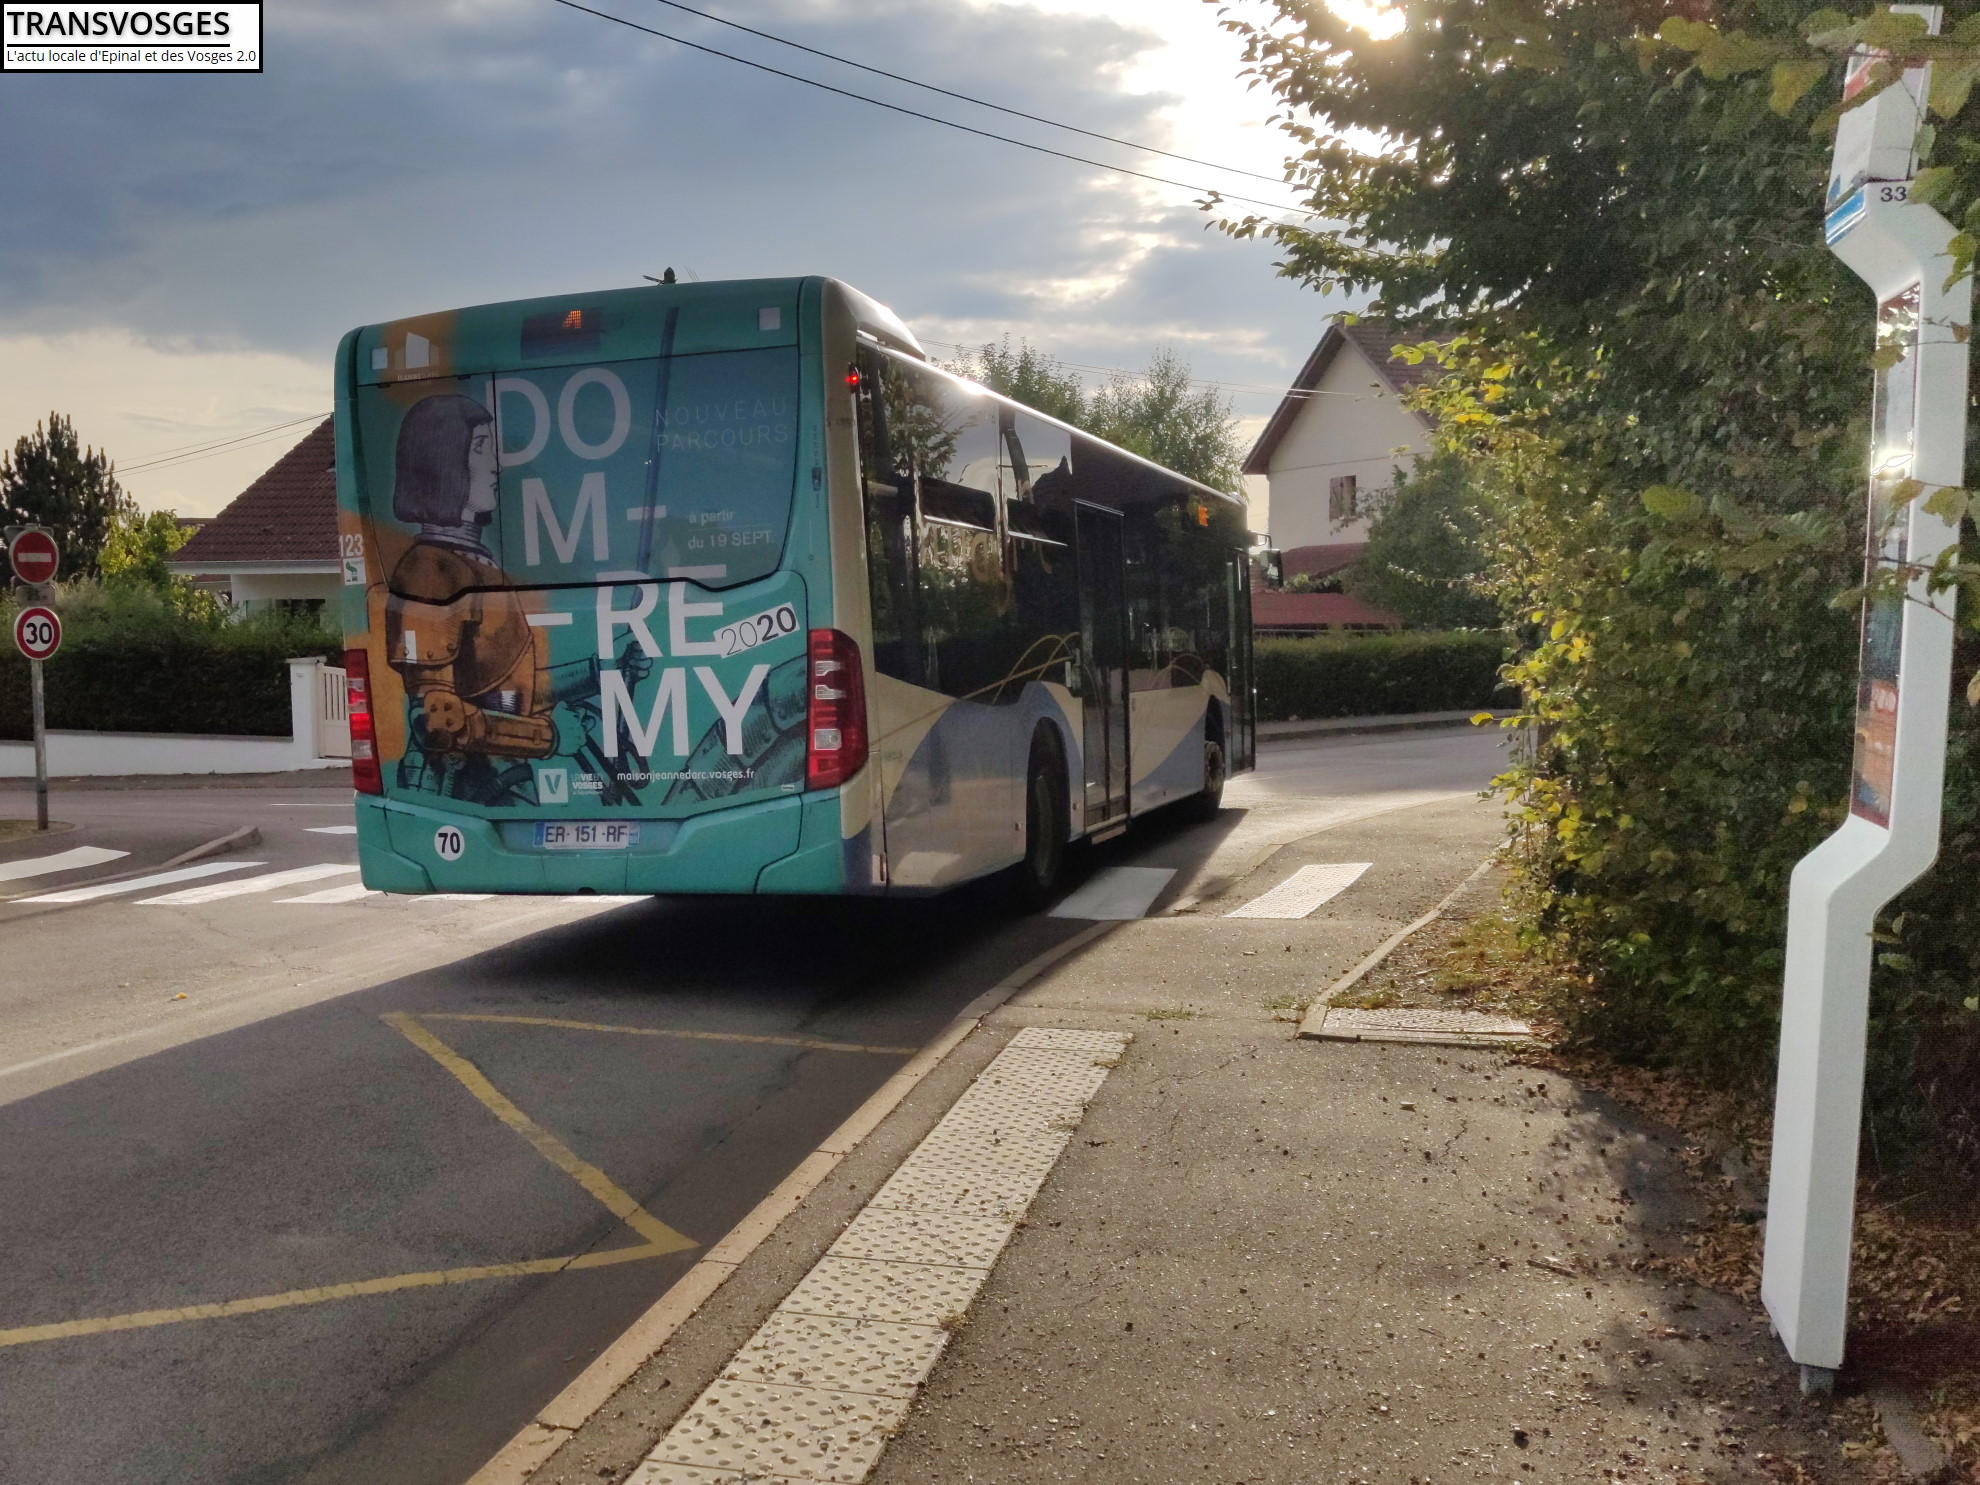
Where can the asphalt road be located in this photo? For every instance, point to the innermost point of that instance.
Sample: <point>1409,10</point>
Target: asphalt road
<point>338,1099</point>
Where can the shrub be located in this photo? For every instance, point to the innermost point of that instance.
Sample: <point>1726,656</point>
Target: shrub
<point>131,662</point>
<point>1380,674</point>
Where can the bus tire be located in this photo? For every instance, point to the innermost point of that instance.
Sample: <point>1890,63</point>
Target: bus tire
<point>1047,823</point>
<point>1204,804</point>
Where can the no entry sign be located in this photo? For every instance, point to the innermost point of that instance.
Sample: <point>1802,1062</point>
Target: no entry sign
<point>34,556</point>
<point>38,633</point>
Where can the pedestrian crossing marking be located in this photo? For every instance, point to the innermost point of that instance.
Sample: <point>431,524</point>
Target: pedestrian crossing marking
<point>70,860</point>
<point>350,892</point>
<point>217,891</point>
<point>139,884</point>
<point>1299,894</point>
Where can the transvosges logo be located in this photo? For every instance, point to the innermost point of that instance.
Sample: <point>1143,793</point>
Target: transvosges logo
<point>130,36</point>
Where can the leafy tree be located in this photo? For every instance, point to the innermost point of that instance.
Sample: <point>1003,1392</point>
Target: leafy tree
<point>1026,375</point>
<point>54,482</point>
<point>1425,555</point>
<point>1164,416</point>
<point>137,546</point>
<point>51,480</point>
<point>1161,414</point>
<point>1660,395</point>
<point>134,556</point>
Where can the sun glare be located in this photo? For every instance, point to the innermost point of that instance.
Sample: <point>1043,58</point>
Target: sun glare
<point>1379,21</point>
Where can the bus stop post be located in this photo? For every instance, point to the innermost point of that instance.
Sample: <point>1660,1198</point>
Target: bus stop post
<point>1890,835</point>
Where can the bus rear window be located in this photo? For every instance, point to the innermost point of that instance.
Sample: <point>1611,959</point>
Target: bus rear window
<point>674,467</point>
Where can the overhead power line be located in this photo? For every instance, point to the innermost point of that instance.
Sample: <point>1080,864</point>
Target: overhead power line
<point>929,117</point>
<point>193,453</point>
<point>1016,113</point>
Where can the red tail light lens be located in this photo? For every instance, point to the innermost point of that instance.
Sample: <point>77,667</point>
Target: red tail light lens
<point>366,776</point>
<point>835,746</point>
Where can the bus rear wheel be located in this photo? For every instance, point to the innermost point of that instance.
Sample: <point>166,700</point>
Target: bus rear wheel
<point>1047,822</point>
<point>1205,804</point>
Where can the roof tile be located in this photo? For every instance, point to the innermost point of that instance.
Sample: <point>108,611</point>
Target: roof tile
<point>288,515</point>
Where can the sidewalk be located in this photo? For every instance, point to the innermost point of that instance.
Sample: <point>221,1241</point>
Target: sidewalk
<point>1261,1259</point>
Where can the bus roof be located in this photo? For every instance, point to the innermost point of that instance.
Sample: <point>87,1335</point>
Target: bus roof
<point>719,315</point>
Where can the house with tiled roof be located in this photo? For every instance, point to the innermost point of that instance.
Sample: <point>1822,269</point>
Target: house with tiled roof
<point>275,545</point>
<point>1328,453</point>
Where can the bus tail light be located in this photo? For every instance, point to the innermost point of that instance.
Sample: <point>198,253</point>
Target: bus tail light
<point>366,777</point>
<point>835,744</point>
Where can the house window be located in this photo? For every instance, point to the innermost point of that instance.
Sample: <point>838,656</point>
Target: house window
<point>1342,503</point>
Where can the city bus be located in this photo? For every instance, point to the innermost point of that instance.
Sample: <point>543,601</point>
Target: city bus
<point>725,588</point>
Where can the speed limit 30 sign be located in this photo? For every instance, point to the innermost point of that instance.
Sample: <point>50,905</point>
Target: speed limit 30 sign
<point>37,632</point>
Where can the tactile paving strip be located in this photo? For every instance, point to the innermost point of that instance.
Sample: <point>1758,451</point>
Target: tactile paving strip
<point>801,1433</point>
<point>952,1239</point>
<point>830,1376</point>
<point>1444,1028</point>
<point>903,1293</point>
<point>887,1360</point>
<point>1299,894</point>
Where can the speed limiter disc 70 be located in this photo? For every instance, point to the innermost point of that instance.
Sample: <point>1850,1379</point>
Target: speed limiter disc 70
<point>38,632</point>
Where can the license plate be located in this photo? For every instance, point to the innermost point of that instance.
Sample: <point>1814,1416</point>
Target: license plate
<point>586,835</point>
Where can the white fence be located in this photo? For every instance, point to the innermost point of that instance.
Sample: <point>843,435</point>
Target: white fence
<point>319,737</point>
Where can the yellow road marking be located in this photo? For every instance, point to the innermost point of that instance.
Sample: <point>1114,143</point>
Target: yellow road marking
<point>811,1043</point>
<point>552,1149</point>
<point>141,1319</point>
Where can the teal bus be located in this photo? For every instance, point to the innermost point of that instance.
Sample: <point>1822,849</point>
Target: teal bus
<point>724,588</point>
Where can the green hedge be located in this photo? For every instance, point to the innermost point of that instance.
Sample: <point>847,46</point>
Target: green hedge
<point>217,681</point>
<point>1380,674</point>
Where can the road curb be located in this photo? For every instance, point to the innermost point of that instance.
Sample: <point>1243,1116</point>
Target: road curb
<point>1361,726</point>
<point>1316,1013</point>
<point>592,1388</point>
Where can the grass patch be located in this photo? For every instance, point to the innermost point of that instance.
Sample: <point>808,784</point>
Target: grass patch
<point>21,829</point>
<point>1170,1013</point>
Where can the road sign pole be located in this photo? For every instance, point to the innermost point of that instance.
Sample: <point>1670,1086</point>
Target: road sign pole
<point>40,748</point>
<point>1891,834</point>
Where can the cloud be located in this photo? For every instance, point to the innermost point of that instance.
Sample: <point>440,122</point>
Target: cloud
<point>396,158</point>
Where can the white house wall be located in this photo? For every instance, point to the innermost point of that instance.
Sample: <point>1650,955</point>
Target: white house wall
<point>1356,426</point>
<point>268,587</point>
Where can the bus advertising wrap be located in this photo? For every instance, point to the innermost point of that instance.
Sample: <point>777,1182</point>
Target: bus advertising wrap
<point>572,574</point>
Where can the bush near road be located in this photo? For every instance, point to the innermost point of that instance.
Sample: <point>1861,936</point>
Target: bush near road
<point>131,662</point>
<point>1379,674</point>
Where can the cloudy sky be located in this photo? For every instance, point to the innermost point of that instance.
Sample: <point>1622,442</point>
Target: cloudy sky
<point>179,254</point>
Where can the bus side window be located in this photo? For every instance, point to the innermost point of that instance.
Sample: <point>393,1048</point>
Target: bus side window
<point>1035,474</point>
<point>966,604</point>
<point>887,481</point>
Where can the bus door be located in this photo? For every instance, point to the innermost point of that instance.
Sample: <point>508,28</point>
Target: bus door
<point>1242,744</point>
<point>1104,657</point>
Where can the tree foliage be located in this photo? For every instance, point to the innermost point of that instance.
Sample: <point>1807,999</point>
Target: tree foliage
<point>1425,556</point>
<point>1163,414</point>
<point>1661,391</point>
<point>51,480</point>
<point>134,556</point>
<point>1026,374</point>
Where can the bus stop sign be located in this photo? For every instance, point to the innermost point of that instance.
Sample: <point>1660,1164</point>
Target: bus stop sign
<point>38,633</point>
<point>34,556</point>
